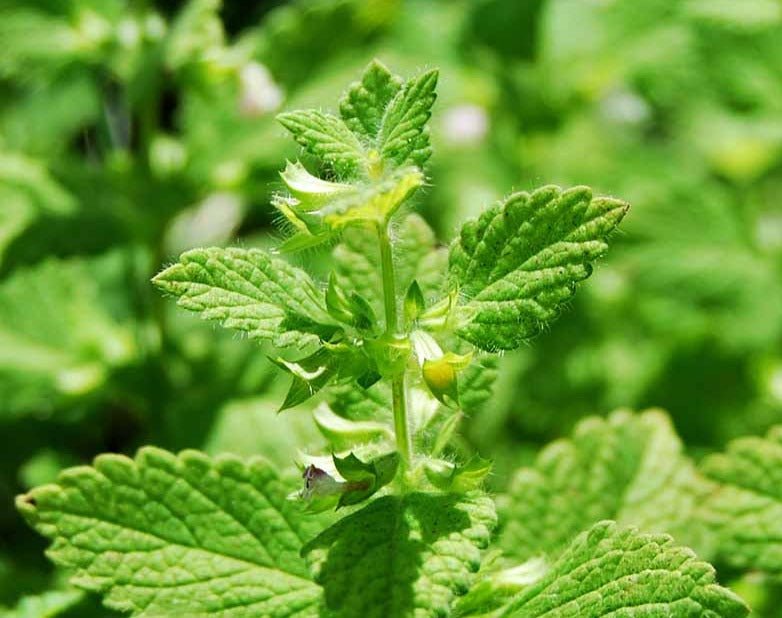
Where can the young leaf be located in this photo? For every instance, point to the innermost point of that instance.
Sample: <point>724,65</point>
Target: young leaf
<point>629,468</point>
<point>374,203</point>
<point>520,261</point>
<point>251,291</point>
<point>309,375</point>
<point>365,478</point>
<point>402,556</point>
<point>179,535</point>
<point>365,102</point>
<point>614,571</point>
<point>414,302</point>
<point>746,510</point>
<point>458,478</point>
<point>326,137</point>
<point>343,433</point>
<point>404,135</point>
<point>355,403</point>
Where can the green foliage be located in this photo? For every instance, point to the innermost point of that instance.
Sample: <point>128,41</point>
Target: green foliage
<point>57,342</point>
<point>250,291</point>
<point>133,132</point>
<point>47,605</point>
<point>327,137</point>
<point>406,556</point>
<point>747,509</point>
<point>628,468</point>
<point>522,259</point>
<point>592,578</point>
<point>403,135</point>
<point>166,534</point>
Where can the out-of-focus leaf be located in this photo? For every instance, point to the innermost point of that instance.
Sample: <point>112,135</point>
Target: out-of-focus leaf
<point>746,510</point>
<point>57,341</point>
<point>629,468</point>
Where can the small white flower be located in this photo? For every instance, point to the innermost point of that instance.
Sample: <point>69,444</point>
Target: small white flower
<point>259,93</point>
<point>466,124</point>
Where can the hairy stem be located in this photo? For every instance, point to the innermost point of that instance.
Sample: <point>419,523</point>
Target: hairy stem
<point>398,387</point>
<point>389,279</point>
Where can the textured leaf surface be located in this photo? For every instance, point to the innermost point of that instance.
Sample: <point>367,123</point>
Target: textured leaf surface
<point>179,535</point>
<point>355,403</point>
<point>406,556</point>
<point>746,510</point>
<point>404,134</point>
<point>476,383</point>
<point>416,257</point>
<point>250,291</point>
<point>363,106</point>
<point>614,571</point>
<point>520,261</point>
<point>327,137</point>
<point>57,341</point>
<point>629,468</point>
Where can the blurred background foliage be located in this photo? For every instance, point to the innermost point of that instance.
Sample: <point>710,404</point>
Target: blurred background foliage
<point>130,131</point>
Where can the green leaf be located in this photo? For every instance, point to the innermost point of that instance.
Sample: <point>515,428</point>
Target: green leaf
<point>58,342</point>
<point>326,137</point>
<point>629,468</point>
<point>343,433</point>
<point>404,134</point>
<point>27,191</point>
<point>246,427</point>
<point>179,535</point>
<point>476,383</point>
<point>364,104</point>
<point>251,291</point>
<point>332,362</point>
<point>353,402</point>
<point>365,478</point>
<point>416,257</point>
<point>520,261</point>
<point>374,203</point>
<point>409,556</point>
<point>414,302</point>
<point>46,605</point>
<point>459,478</point>
<point>746,510</point>
<point>309,374</point>
<point>614,571</point>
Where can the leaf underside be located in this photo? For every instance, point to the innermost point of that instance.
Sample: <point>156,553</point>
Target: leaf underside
<point>179,535</point>
<point>521,260</point>
<point>250,291</point>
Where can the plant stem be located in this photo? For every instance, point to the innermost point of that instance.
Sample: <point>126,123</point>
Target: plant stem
<point>389,279</point>
<point>398,387</point>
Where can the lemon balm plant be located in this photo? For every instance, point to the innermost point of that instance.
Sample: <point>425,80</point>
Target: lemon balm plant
<point>392,520</point>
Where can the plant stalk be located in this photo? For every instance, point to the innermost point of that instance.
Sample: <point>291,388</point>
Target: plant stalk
<point>398,386</point>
